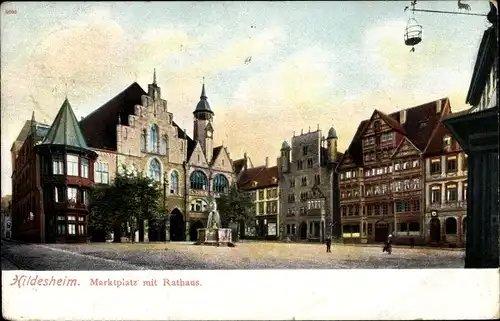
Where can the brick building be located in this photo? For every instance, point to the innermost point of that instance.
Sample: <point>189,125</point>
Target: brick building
<point>382,175</point>
<point>307,186</point>
<point>52,175</point>
<point>136,129</point>
<point>262,183</point>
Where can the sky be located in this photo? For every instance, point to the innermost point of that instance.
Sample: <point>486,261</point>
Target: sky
<point>313,63</point>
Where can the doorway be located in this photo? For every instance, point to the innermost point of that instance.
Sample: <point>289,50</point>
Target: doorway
<point>193,230</point>
<point>176,225</point>
<point>435,232</point>
<point>381,231</point>
<point>303,230</point>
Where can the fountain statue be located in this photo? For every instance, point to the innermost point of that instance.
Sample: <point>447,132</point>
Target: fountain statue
<point>214,234</point>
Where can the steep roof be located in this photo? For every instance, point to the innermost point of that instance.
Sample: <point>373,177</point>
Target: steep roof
<point>99,127</point>
<point>238,165</point>
<point>65,129</point>
<point>216,152</point>
<point>420,124</point>
<point>203,105</point>
<point>262,175</point>
<point>436,145</point>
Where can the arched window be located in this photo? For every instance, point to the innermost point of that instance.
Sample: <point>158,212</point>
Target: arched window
<point>155,170</point>
<point>198,180</point>
<point>153,138</point>
<point>163,146</point>
<point>174,183</point>
<point>221,185</point>
<point>143,140</point>
<point>451,225</point>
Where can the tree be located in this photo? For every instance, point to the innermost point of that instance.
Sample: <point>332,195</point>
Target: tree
<point>130,199</point>
<point>236,206</point>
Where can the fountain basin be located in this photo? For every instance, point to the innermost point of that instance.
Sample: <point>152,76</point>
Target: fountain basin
<point>218,236</point>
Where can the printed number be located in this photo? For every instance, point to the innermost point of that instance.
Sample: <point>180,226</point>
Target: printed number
<point>10,11</point>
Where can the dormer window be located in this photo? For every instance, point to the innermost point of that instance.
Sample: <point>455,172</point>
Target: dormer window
<point>274,180</point>
<point>447,141</point>
<point>254,183</point>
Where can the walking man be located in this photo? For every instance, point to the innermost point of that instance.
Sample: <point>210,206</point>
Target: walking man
<point>328,244</point>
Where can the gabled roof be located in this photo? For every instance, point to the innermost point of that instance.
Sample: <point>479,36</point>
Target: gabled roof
<point>406,139</point>
<point>65,129</point>
<point>99,127</point>
<point>419,126</point>
<point>216,152</point>
<point>391,122</point>
<point>262,175</point>
<point>436,145</point>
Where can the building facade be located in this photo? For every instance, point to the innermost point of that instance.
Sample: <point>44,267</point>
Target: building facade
<point>382,175</point>
<point>52,177</point>
<point>445,190</point>
<point>306,185</point>
<point>262,183</point>
<point>136,131</point>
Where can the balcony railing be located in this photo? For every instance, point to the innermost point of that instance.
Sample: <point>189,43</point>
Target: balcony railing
<point>446,206</point>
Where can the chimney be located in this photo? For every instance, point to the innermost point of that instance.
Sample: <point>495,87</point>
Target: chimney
<point>402,116</point>
<point>245,162</point>
<point>438,106</point>
<point>267,162</point>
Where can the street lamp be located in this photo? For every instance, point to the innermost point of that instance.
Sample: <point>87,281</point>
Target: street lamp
<point>413,31</point>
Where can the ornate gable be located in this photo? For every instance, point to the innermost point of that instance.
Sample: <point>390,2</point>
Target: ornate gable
<point>406,148</point>
<point>380,122</point>
<point>222,162</point>
<point>198,157</point>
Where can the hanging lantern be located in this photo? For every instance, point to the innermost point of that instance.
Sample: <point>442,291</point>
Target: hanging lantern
<point>413,33</point>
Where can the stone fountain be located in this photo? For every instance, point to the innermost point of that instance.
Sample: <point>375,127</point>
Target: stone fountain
<point>213,234</point>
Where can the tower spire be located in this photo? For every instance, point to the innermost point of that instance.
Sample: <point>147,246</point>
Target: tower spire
<point>154,76</point>
<point>203,94</point>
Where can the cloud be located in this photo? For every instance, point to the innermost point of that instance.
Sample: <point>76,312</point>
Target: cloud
<point>268,106</point>
<point>233,55</point>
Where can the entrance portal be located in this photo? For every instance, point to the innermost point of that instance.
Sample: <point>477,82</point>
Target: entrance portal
<point>176,225</point>
<point>381,231</point>
<point>303,230</point>
<point>435,232</point>
<point>193,230</point>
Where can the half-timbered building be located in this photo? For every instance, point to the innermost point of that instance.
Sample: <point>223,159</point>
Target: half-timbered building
<point>381,175</point>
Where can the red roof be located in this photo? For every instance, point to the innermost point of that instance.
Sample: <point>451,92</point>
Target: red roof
<point>262,175</point>
<point>436,145</point>
<point>421,122</point>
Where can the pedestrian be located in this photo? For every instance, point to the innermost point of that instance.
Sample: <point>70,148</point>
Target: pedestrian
<point>328,244</point>
<point>412,242</point>
<point>388,244</point>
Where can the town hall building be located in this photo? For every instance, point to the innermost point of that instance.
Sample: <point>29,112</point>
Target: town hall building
<point>136,130</point>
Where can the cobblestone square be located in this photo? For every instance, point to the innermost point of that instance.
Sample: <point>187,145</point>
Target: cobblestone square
<point>246,255</point>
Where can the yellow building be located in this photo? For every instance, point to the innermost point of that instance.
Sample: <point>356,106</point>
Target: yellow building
<point>262,183</point>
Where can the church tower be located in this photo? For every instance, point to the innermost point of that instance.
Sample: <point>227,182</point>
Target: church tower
<point>203,129</point>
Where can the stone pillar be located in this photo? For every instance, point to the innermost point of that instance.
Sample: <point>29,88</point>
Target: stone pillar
<point>187,232</point>
<point>477,134</point>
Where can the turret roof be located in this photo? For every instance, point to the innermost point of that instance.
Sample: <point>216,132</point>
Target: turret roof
<point>203,105</point>
<point>65,129</point>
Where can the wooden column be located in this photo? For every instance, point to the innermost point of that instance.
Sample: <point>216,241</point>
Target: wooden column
<point>477,133</point>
